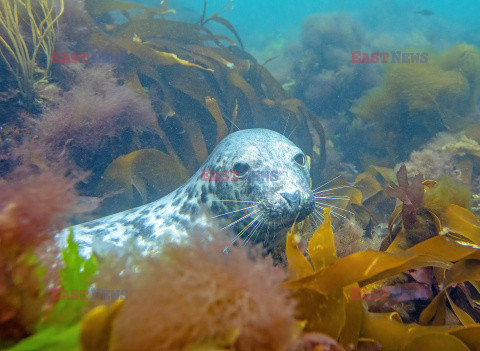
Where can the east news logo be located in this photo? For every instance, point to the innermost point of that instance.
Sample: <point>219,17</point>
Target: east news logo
<point>396,57</point>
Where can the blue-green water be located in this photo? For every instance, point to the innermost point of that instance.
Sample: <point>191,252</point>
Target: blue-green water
<point>254,19</point>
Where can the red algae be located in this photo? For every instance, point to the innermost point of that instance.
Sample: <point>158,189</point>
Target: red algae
<point>95,107</point>
<point>31,207</point>
<point>199,294</point>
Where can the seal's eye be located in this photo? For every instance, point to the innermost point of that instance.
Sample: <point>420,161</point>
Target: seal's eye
<point>241,168</point>
<point>300,159</point>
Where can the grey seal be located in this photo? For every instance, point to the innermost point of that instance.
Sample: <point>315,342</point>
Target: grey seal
<point>256,181</point>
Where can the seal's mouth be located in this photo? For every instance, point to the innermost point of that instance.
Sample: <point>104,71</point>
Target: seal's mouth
<point>253,220</point>
<point>288,207</point>
<point>260,215</point>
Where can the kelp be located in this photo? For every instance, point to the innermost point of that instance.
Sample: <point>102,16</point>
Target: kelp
<point>388,329</point>
<point>322,313</point>
<point>371,199</point>
<point>459,262</point>
<point>150,172</point>
<point>190,76</point>
<point>368,196</point>
<point>97,326</point>
<point>433,244</point>
<point>213,108</point>
<point>216,18</point>
<point>328,290</point>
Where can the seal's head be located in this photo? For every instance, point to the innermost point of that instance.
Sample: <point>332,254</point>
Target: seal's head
<point>259,180</point>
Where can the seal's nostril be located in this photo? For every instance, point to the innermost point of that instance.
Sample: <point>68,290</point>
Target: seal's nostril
<point>293,199</point>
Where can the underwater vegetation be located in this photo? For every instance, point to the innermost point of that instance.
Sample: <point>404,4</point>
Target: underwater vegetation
<point>20,52</point>
<point>455,155</point>
<point>419,288</point>
<point>182,89</point>
<point>30,211</point>
<point>418,100</point>
<point>415,246</point>
<point>323,75</point>
<point>84,127</point>
<point>224,301</point>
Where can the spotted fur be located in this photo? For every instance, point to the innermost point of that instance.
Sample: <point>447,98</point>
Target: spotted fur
<point>201,203</point>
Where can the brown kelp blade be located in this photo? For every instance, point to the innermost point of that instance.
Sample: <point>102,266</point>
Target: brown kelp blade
<point>212,106</point>
<point>141,170</point>
<point>227,24</point>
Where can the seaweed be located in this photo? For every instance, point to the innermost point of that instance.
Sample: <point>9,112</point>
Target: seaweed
<point>182,89</point>
<point>320,72</point>
<point>219,296</point>
<point>20,54</point>
<point>30,209</point>
<point>199,88</point>
<point>140,170</point>
<point>216,296</point>
<point>411,195</point>
<point>421,210</point>
<point>418,100</point>
<point>62,325</point>
<point>216,18</point>
<point>346,319</point>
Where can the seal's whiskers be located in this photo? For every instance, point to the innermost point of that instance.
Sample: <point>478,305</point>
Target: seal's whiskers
<point>335,208</point>
<point>325,184</point>
<point>242,209</point>
<point>333,197</point>
<point>292,131</point>
<point>328,197</point>
<point>317,215</point>
<point>249,236</point>
<point>245,229</point>
<point>317,191</point>
<point>238,220</point>
<point>321,206</point>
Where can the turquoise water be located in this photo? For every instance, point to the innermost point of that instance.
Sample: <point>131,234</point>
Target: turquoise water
<point>267,18</point>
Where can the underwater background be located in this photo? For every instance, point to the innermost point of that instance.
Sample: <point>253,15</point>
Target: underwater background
<point>109,105</point>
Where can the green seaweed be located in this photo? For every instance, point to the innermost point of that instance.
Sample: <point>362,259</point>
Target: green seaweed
<point>60,330</point>
<point>76,275</point>
<point>55,338</point>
